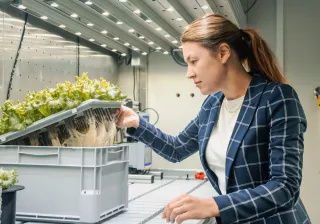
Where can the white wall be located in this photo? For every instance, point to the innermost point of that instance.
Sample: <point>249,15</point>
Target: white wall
<point>302,67</point>
<point>165,80</point>
<point>125,79</point>
<point>263,18</point>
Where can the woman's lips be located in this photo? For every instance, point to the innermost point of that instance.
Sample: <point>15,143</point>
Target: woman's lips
<point>197,82</point>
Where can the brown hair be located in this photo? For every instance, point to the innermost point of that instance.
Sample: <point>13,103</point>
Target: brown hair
<point>212,30</point>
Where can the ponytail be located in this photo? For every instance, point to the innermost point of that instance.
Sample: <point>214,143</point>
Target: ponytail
<point>213,29</point>
<point>260,59</point>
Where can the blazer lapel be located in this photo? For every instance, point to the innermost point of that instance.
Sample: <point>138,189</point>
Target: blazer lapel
<point>205,133</point>
<point>212,117</point>
<point>244,119</point>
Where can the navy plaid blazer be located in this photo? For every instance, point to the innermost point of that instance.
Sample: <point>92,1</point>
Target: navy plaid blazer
<point>264,156</point>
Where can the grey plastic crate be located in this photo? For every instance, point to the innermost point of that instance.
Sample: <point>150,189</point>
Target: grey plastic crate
<point>69,185</point>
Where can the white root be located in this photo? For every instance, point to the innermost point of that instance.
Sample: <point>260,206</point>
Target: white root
<point>89,138</point>
<point>34,141</point>
<point>53,136</point>
<point>75,137</point>
<point>101,135</point>
<point>90,134</point>
<point>74,140</point>
<point>112,130</point>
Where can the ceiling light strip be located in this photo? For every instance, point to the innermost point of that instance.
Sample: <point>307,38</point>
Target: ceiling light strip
<point>130,21</point>
<point>155,18</point>
<point>57,17</point>
<point>100,21</point>
<point>181,10</point>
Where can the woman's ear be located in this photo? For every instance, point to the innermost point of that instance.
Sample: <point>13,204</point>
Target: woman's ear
<point>224,53</point>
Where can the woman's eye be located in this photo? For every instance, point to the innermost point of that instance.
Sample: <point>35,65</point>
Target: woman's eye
<point>193,62</point>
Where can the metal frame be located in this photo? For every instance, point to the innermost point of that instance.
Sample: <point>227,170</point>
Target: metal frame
<point>131,22</point>
<point>40,24</point>
<point>122,12</point>
<point>238,12</point>
<point>91,15</point>
<point>213,6</point>
<point>280,32</point>
<point>157,174</point>
<point>56,16</point>
<point>155,18</point>
<point>186,174</point>
<point>143,82</point>
<point>152,200</point>
<point>181,10</point>
<point>133,178</point>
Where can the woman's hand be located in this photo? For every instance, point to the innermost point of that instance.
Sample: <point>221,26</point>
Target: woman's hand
<point>188,207</point>
<point>127,118</point>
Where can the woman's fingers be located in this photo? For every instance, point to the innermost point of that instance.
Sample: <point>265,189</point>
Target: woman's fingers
<point>127,118</point>
<point>176,212</point>
<point>183,217</point>
<point>176,203</point>
<point>119,119</point>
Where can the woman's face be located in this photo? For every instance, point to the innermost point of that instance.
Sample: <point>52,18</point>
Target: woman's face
<point>206,69</point>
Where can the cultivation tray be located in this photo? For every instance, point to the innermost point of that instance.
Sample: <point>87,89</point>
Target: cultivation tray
<point>109,108</point>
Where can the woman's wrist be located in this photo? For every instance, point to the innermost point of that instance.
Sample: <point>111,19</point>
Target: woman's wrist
<point>136,122</point>
<point>213,207</point>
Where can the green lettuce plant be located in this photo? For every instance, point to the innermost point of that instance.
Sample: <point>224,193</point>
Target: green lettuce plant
<point>38,105</point>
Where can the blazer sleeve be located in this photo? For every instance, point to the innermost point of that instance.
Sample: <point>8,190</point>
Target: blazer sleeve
<point>172,148</point>
<point>287,123</point>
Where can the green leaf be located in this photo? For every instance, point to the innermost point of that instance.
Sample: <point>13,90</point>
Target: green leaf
<point>8,178</point>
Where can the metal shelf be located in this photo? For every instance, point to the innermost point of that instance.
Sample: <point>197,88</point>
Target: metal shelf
<point>148,207</point>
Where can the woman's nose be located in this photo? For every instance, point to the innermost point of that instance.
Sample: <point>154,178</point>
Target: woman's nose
<point>190,74</point>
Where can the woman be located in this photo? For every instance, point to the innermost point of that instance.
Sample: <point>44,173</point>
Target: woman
<point>249,131</point>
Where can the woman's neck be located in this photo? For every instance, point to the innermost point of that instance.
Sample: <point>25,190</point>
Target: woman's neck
<point>236,84</point>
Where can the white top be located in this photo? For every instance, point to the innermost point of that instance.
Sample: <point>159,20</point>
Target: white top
<point>216,152</point>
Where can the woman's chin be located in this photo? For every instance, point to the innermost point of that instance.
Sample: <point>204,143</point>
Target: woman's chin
<point>204,92</point>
